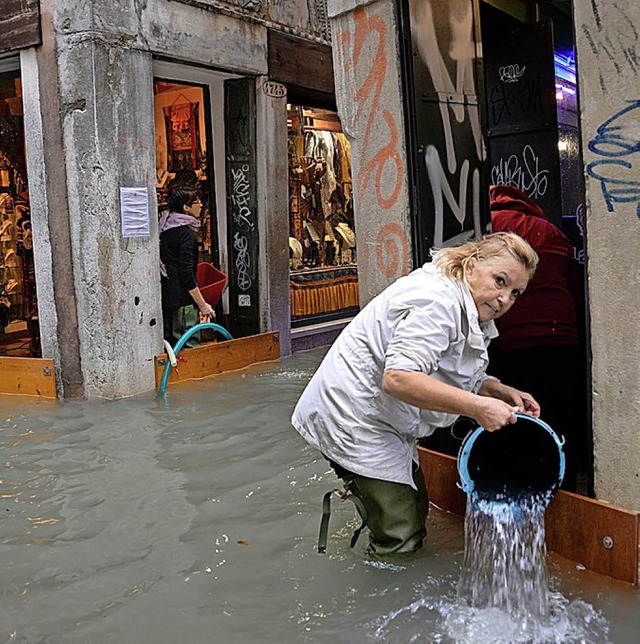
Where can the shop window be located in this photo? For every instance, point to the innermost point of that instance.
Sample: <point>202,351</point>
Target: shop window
<point>183,153</point>
<point>322,230</point>
<point>19,328</point>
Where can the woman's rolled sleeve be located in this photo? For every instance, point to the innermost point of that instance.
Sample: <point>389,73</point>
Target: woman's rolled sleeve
<point>421,338</point>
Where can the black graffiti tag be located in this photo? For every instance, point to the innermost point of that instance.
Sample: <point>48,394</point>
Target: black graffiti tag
<point>243,262</point>
<point>241,197</point>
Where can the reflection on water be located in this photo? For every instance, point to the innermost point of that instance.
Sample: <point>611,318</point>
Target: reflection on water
<point>196,520</point>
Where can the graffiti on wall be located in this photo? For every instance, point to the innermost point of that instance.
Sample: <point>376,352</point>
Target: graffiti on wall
<point>242,224</point>
<point>522,130</point>
<point>616,142</point>
<point>617,50</point>
<point>452,88</point>
<point>392,250</point>
<point>515,93</point>
<point>242,262</point>
<point>511,73</point>
<point>523,171</point>
<point>241,197</point>
<point>364,52</point>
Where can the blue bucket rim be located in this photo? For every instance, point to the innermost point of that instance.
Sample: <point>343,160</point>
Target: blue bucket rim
<point>468,485</point>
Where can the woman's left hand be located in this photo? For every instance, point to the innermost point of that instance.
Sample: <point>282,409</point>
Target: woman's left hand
<point>525,402</point>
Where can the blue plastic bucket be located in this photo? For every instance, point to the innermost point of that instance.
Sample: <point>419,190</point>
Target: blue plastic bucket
<point>521,460</point>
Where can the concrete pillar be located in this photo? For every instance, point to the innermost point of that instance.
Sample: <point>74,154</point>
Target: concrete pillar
<point>99,294</point>
<point>110,143</point>
<point>607,47</point>
<point>366,61</point>
<point>273,209</point>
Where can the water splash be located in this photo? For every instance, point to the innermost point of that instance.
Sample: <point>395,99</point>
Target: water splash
<point>566,621</point>
<point>505,559</point>
<point>503,591</point>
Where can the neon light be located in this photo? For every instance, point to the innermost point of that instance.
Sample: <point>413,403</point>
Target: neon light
<point>565,67</point>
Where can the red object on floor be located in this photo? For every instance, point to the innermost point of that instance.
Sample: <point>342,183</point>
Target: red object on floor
<point>211,282</point>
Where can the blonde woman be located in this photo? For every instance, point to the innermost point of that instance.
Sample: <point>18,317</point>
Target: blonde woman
<point>413,360</point>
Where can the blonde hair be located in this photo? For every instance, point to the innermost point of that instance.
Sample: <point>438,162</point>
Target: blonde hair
<point>452,262</point>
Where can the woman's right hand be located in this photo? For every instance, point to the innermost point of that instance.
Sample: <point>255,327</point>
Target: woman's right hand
<point>493,414</point>
<point>207,310</point>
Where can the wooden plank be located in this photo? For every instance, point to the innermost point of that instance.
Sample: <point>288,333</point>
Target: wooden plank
<point>218,357</point>
<point>440,473</point>
<point>19,24</point>
<point>300,62</point>
<point>575,525</point>
<point>28,376</point>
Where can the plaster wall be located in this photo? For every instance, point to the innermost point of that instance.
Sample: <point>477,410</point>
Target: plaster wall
<point>109,143</point>
<point>50,212</point>
<point>306,17</point>
<point>164,27</point>
<point>369,98</point>
<point>608,51</point>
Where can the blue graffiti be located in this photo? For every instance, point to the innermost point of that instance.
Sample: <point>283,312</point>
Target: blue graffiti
<point>615,139</point>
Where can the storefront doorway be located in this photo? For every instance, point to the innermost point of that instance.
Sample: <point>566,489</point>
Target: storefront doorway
<point>322,230</point>
<point>189,138</point>
<point>183,153</point>
<point>19,328</point>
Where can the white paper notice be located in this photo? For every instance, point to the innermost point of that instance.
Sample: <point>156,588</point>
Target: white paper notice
<point>134,209</point>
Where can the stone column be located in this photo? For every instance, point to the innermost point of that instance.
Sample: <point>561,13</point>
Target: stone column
<point>96,109</point>
<point>366,61</point>
<point>273,209</point>
<point>608,50</point>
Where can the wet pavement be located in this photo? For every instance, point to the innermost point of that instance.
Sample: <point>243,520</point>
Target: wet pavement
<point>195,519</point>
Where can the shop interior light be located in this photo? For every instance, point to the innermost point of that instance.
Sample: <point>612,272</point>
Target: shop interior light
<point>565,67</point>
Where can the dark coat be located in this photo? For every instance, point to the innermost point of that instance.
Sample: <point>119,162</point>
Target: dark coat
<point>179,254</point>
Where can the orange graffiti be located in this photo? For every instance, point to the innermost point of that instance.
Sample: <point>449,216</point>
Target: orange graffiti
<point>367,26</point>
<point>343,40</point>
<point>392,248</point>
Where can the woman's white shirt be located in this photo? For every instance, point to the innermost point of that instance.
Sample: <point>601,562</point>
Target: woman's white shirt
<point>423,322</point>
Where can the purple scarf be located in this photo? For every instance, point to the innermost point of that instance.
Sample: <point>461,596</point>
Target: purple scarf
<point>174,220</point>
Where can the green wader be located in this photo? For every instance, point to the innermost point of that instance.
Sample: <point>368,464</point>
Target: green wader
<point>395,512</point>
<point>178,321</point>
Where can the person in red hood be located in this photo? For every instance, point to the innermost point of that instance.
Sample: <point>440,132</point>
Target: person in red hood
<point>538,349</point>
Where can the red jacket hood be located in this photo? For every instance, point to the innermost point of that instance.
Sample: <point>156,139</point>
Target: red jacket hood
<point>512,198</point>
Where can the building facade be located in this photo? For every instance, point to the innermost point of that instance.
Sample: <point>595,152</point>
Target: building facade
<point>442,84</point>
<point>322,185</point>
<point>106,105</point>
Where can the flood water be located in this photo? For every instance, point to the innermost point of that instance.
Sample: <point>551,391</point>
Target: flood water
<point>195,519</point>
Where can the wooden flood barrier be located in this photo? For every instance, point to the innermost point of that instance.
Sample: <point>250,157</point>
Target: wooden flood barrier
<point>28,377</point>
<point>217,357</point>
<point>601,537</point>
